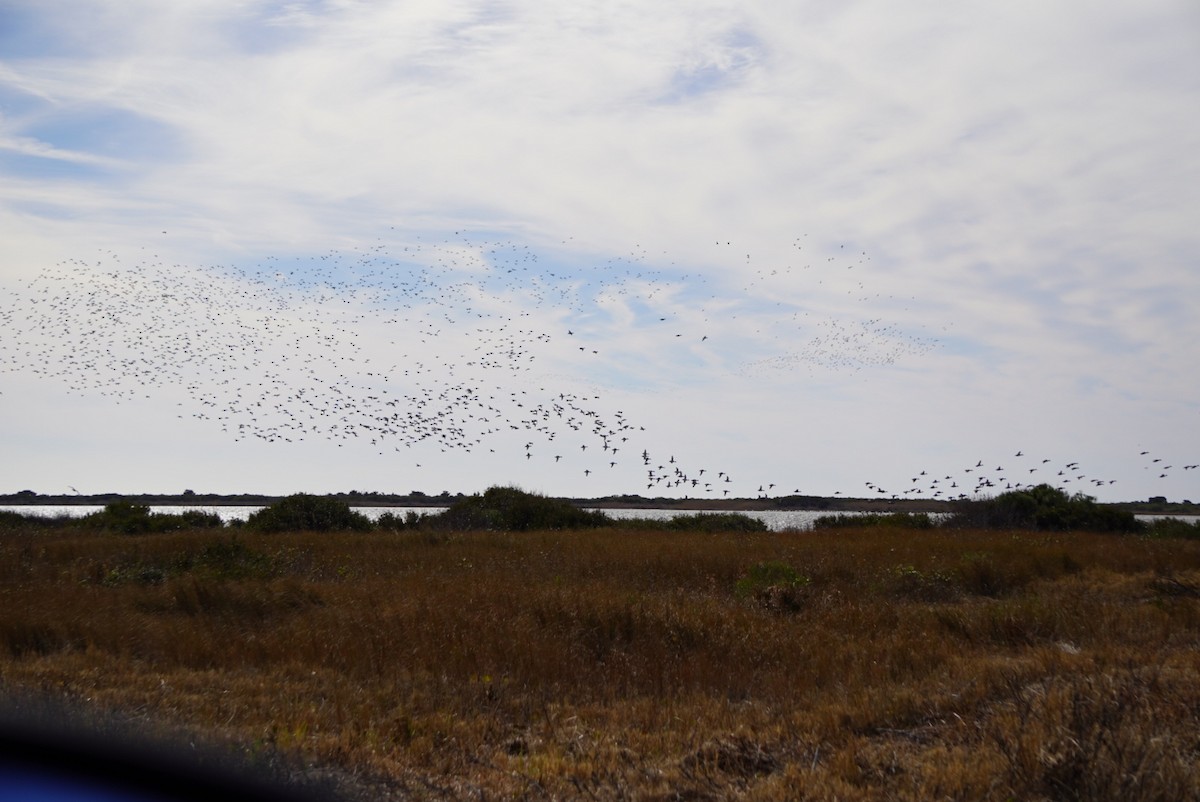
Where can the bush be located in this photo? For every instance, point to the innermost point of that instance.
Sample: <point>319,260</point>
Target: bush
<point>198,519</point>
<point>909,582</point>
<point>128,518</point>
<point>12,521</point>
<point>390,522</point>
<point>227,559</point>
<point>1042,508</point>
<point>898,520</point>
<point>716,522</point>
<point>774,585</point>
<point>1173,527</point>
<point>124,517</point>
<point>134,573</point>
<point>512,510</point>
<point>305,513</point>
<point>697,522</point>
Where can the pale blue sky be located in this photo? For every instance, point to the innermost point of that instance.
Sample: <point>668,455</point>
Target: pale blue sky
<point>817,246</point>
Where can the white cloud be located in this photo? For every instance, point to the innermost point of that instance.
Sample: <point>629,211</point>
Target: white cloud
<point>1023,179</point>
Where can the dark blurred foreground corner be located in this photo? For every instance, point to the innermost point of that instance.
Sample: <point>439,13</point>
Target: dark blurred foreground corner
<point>50,752</point>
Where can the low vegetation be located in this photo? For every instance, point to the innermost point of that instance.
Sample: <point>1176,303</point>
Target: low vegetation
<point>697,522</point>
<point>126,518</point>
<point>422,661</point>
<point>774,585</point>
<point>1043,508</point>
<point>1172,527</point>
<point>511,510</point>
<point>898,520</point>
<point>305,513</point>
<point>12,521</point>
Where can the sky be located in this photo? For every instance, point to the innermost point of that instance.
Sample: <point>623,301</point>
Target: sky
<point>757,248</point>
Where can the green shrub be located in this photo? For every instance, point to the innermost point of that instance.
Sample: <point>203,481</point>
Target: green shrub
<point>227,559</point>
<point>188,519</point>
<point>12,521</point>
<point>305,513</point>
<point>128,518</point>
<point>1173,527</point>
<point>124,517</point>
<point>909,582</point>
<point>513,510</point>
<point>716,522</point>
<point>774,585</point>
<point>1042,508</point>
<point>697,522</point>
<point>198,519</point>
<point>390,522</point>
<point>136,573</point>
<point>898,520</point>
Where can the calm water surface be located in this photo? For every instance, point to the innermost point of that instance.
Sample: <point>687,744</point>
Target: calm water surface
<point>776,520</point>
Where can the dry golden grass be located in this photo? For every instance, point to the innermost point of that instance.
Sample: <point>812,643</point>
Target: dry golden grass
<point>630,665</point>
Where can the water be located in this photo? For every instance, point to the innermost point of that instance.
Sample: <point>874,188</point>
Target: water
<point>776,520</point>
<point>225,512</point>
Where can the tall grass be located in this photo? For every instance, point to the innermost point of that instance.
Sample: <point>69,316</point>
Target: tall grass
<point>623,663</point>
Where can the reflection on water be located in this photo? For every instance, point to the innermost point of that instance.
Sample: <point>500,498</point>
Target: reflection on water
<point>776,520</point>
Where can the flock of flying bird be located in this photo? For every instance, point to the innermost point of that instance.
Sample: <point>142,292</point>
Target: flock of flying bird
<point>460,346</point>
<point>1022,472</point>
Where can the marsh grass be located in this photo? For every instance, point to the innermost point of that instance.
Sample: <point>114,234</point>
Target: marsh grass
<point>621,663</point>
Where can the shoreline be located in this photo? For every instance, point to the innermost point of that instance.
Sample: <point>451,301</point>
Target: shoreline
<point>832,504</point>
